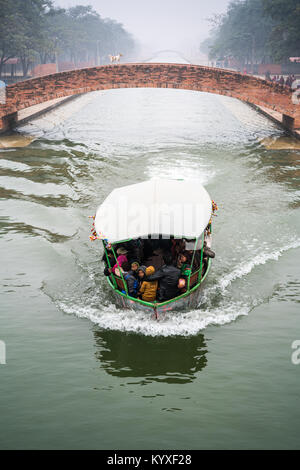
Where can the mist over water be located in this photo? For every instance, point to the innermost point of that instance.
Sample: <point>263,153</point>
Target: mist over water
<point>52,277</point>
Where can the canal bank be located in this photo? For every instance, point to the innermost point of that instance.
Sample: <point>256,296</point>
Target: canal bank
<point>276,118</point>
<point>29,114</point>
<point>28,127</point>
<point>38,110</point>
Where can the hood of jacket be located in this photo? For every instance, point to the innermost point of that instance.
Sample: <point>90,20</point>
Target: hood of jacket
<point>142,268</point>
<point>150,270</point>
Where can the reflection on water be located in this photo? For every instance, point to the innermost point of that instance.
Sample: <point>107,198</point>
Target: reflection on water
<point>29,230</point>
<point>169,360</point>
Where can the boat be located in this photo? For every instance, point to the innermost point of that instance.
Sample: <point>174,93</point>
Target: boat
<point>153,211</point>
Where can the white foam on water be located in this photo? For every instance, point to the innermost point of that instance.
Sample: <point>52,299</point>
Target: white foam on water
<point>173,324</point>
<point>12,165</point>
<point>246,267</point>
<point>186,323</point>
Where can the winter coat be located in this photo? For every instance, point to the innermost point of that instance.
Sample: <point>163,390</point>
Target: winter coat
<point>168,279</point>
<point>148,289</point>
<point>132,283</point>
<point>121,259</point>
<point>141,268</point>
<point>185,269</point>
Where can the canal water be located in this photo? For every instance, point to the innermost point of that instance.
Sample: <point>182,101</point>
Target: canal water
<point>81,373</point>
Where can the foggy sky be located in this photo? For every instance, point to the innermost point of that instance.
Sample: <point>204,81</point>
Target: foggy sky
<point>159,24</point>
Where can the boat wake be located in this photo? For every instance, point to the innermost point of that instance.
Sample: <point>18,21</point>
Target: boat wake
<point>218,305</point>
<point>178,324</point>
<point>247,266</point>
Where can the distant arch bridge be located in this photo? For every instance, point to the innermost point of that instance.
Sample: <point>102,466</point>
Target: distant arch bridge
<point>168,51</point>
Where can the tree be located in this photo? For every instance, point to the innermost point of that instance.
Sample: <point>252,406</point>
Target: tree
<point>33,30</point>
<point>10,36</point>
<point>284,40</point>
<point>36,32</point>
<point>80,34</point>
<point>48,46</point>
<point>242,32</point>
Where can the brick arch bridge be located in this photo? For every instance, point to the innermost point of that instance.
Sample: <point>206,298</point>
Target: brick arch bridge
<point>144,75</point>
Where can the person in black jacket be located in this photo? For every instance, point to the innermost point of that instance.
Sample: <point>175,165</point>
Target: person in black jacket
<point>168,277</point>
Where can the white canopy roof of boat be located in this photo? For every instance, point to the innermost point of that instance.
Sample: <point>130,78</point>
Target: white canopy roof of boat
<point>181,208</point>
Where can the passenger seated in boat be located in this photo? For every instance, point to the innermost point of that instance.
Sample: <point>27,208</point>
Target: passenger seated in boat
<point>156,259</point>
<point>167,276</point>
<point>178,245</point>
<point>135,250</point>
<point>148,289</point>
<point>134,268</point>
<point>184,263</point>
<point>207,253</point>
<point>131,280</point>
<point>141,273</point>
<point>122,252</point>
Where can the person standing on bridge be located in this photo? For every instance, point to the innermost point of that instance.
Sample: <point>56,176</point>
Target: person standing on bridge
<point>268,76</point>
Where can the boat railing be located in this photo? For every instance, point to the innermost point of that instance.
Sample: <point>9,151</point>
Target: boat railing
<point>194,279</point>
<point>196,275</point>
